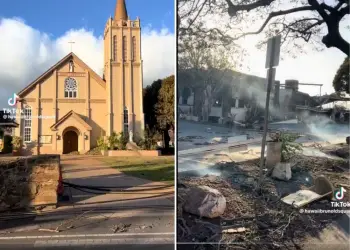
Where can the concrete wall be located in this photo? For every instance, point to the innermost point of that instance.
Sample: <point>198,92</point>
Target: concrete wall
<point>239,114</point>
<point>29,182</point>
<point>216,111</point>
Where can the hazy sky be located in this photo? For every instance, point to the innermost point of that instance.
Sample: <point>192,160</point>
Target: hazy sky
<point>311,67</point>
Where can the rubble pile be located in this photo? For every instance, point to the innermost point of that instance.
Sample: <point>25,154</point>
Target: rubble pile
<point>257,218</point>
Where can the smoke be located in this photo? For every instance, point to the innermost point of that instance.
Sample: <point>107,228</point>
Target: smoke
<point>191,167</point>
<point>256,91</point>
<point>325,129</point>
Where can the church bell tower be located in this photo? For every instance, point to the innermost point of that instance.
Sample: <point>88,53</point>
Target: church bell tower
<point>123,73</point>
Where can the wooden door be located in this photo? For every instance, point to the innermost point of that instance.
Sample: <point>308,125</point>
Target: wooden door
<point>70,142</point>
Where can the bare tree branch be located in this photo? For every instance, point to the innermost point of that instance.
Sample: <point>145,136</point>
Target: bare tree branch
<point>275,14</point>
<point>233,9</point>
<point>305,27</point>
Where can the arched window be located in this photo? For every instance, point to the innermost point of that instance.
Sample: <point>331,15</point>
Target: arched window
<point>70,88</point>
<point>126,120</point>
<point>115,48</point>
<point>125,48</point>
<point>71,66</point>
<point>27,124</point>
<point>133,48</point>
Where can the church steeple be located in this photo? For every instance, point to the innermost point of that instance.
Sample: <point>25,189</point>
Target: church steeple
<point>120,11</point>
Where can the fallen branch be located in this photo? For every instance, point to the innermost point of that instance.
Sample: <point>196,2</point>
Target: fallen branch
<point>49,230</point>
<point>343,185</point>
<point>235,230</point>
<point>188,230</point>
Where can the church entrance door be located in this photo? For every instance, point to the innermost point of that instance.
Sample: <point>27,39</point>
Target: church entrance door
<point>70,142</point>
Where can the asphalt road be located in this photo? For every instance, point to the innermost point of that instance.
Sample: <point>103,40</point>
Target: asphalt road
<point>208,132</point>
<point>144,229</point>
<point>195,135</point>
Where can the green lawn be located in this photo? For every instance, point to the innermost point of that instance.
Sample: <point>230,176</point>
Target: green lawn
<point>150,168</point>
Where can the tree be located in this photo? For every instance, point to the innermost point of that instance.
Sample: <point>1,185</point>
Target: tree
<point>165,105</point>
<point>341,78</point>
<point>294,20</point>
<point>150,99</point>
<point>205,69</point>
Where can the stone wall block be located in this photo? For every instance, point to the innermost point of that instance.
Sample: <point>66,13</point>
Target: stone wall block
<point>29,181</point>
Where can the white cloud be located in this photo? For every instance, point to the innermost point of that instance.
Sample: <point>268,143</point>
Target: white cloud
<point>25,53</point>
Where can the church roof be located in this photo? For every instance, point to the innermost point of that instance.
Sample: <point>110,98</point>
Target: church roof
<point>57,65</point>
<point>74,115</point>
<point>120,11</point>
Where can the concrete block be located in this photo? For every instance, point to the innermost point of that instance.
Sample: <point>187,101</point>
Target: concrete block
<point>237,138</point>
<point>273,154</point>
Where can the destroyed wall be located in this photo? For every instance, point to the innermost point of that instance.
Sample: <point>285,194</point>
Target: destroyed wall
<point>238,88</point>
<point>29,181</point>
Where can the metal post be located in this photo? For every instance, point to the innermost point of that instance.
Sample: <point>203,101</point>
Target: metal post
<point>269,85</point>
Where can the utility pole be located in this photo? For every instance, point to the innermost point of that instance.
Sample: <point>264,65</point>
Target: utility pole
<point>272,61</point>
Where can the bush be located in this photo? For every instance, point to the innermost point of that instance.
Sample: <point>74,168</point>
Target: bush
<point>101,143</point>
<point>150,140</point>
<point>123,140</point>
<point>289,146</point>
<point>16,142</point>
<point>113,141</point>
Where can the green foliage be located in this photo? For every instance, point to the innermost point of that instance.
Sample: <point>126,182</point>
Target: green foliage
<point>16,142</point>
<point>123,140</point>
<point>150,99</point>
<point>149,142</point>
<point>289,146</point>
<point>113,141</point>
<point>102,144</point>
<point>341,79</point>
<point>165,105</point>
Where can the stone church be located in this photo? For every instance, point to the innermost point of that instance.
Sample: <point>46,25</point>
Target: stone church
<point>69,107</point>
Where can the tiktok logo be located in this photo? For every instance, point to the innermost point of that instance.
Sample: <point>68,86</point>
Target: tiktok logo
<point>13,101</point>
<point>339,195</point>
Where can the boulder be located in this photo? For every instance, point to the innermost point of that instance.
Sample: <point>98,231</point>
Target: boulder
<point>204,202</point>
<point>282,171</point>
<point>348,140</point>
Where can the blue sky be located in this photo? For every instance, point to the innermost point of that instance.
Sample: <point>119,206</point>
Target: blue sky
<point>55,17</point>
<point>35,34</point>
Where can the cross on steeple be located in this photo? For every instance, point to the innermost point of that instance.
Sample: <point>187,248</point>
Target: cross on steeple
<point>71,45</point>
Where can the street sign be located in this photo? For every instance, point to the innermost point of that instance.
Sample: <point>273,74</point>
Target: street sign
<point>273,52</point>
